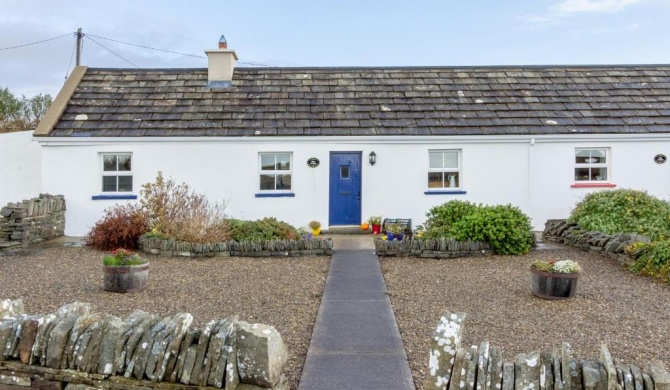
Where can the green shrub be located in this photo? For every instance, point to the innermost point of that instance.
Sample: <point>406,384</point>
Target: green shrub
<point>444,215</point>
<point>120,227</point>
<point>654,260</point>
<point>260,230</point>
<point>623,211</point>
<point>505,227</point>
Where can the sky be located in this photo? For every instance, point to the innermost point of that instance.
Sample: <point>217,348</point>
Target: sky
<point>308,33</point>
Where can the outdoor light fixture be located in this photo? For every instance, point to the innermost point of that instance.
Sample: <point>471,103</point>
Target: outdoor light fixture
<point>372,158</point>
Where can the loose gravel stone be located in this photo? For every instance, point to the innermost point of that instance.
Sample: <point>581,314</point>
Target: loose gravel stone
<point>630,313</point>
<point>282,292</point>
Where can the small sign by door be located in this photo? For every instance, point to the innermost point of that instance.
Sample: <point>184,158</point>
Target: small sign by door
<point>660,158</point>
<point>313,162</point>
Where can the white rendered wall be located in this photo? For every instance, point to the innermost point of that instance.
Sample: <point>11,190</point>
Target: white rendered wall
<point>20,167</point>
<point>632,166</point>
<point>535,176</point>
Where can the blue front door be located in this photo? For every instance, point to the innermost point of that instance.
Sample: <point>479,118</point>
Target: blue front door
<point>345,188</point>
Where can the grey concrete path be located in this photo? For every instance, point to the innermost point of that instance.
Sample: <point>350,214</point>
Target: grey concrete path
<point>356,343</point>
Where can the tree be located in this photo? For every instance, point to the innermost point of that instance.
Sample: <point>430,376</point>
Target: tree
<point>21,113</point>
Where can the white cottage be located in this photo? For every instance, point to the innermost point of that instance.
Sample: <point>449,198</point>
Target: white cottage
<point>340,144</point>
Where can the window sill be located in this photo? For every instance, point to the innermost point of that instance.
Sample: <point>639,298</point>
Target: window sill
<point>276,195</point>
<point>445,192</point>
<point>114,197</point>
<point>592,185</point>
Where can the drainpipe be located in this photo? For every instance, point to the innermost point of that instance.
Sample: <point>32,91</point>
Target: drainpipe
<point>530,177</point>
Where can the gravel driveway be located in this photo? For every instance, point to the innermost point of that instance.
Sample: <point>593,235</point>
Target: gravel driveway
<point>285,293</point>
<point>630,313</point>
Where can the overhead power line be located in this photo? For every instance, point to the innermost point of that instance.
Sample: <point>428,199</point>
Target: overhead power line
<point>165,51</point>
<point>146,47</point>
<point>99,44</point>
<point>36,42</point>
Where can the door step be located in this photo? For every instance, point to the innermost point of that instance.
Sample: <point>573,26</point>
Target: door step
<point>351,229</point>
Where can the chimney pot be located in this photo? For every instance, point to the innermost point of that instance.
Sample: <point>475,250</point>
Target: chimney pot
<point>223,44</point>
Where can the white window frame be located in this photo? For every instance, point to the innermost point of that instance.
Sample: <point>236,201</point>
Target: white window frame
<point>116,173</point>
<point>458,169</point>
<point>607,165</point>
<point>275,172</point>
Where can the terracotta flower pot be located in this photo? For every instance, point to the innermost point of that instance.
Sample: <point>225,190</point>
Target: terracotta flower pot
<point>365,226</point>
<point>551,285</point>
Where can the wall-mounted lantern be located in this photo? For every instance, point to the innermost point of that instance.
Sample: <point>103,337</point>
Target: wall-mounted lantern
<point>372,158</point>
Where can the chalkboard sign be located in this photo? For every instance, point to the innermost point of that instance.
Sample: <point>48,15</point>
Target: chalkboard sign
<point>406,224</point>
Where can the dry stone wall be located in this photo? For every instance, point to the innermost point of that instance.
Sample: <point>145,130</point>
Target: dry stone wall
<point>31,221</point>
<point>144,351</point>
<point>271,248</point>
<point>455,367</point>
<point>612,245</point>
<point>444,248</point>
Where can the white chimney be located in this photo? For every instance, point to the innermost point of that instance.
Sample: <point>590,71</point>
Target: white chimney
<point>220,65</point>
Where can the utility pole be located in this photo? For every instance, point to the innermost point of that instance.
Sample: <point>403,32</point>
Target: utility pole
<point>80,35</point>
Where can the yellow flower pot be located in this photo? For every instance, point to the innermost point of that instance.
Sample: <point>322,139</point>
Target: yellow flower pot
<point>316,232</point>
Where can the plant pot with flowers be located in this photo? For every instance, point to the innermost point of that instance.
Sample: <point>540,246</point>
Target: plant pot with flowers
<point>394,231</point>
<point>125,272</point>
<point>316,227</point>
<point>376,222</point>
<point>554,279</point>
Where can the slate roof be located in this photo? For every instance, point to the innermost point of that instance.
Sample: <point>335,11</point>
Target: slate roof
<point>371,101</point>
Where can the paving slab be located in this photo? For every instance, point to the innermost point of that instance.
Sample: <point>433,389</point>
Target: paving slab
<point>356,343</point>
<point>362,371</point>
<point>351,326</point>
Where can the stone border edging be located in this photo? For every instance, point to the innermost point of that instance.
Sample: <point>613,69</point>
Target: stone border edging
<point>444,248</point>
<point>272,248</point>
<point>453,367</point>
<point>611,245</point>
<point>141,352</point>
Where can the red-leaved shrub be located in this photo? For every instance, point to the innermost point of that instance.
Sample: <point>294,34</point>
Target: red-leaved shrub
<point>121,226</point>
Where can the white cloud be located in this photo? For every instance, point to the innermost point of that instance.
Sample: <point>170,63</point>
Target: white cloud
<point>592,6</point>
<point>538,20</point>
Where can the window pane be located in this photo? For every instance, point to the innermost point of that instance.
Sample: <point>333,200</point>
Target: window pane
<point>125,183</point>
<point>598,174</point>
<point>109,163</point>
<point>267,182</point>
<point>283,162</point>
<point>283,182</point>
<point>268,162</point>
<point>124,163</point>
<point>109,184</point>
<point>598,157</point>
<point>581,174</point>
<point>435,159</point>
<point>434,179</point>
<point>451,180</point>
<point>344,172</point>
<point>582,156</point>
<point>451,159</point>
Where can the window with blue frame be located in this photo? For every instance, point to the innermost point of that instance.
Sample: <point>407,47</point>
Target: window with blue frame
<point>275,171</point>
<point>117,173</point>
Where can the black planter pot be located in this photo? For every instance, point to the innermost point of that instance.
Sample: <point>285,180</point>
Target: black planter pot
<point>126,279</point>
<point>550,285</point>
